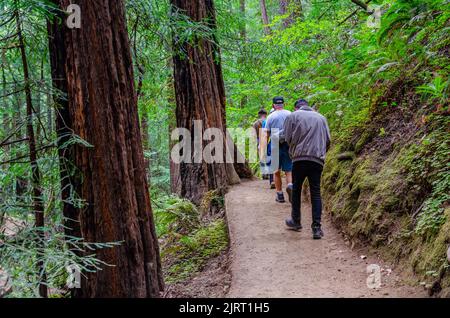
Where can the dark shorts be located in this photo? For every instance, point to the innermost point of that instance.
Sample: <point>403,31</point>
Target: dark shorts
<point>285,163</point>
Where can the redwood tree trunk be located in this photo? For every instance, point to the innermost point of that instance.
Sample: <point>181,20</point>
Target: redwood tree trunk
<point>199,96</point>
<point>265,16</point>
<point>102,109</point>
<point>175,178</point>
<point>64,124</point>
<point>243,36</point>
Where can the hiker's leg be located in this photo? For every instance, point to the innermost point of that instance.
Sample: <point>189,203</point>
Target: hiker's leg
<point>288,177</point>
<point>314,171</point>
<point>278,182</point>
<point>286,162</point>
<point>299,177</point>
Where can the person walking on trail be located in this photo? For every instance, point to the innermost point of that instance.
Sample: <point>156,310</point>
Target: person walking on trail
<point>298,104</point>
<point>258,126</point>
<point>308,136</point>
<point>262,115</point>
<point>268,162</point>
<point>274,130</point>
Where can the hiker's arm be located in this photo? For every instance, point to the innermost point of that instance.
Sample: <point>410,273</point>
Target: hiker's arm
<point>287,128</point>
<point>328,135</point>
<point>263,142</point>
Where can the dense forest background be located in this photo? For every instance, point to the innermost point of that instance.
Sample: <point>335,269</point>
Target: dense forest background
<point>382,83</point>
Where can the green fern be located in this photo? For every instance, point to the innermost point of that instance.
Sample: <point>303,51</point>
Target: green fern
<point>438,89</point>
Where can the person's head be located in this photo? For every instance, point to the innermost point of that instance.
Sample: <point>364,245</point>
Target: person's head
<point>300,103</point>
<point>278,102</point>
<point>262,114</point>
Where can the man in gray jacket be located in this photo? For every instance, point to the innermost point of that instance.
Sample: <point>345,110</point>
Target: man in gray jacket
<point>308,136</point>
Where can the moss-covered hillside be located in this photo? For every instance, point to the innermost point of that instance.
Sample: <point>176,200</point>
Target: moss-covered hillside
<point>387,182</point>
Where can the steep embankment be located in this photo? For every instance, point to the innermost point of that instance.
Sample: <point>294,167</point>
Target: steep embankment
<point>387,182</point>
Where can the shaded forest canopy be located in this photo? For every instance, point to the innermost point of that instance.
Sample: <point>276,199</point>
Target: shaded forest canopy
<point>378,70</point>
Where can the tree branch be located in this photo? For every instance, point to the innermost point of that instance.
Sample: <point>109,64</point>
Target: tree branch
<point>13,142</point>
<point>364,5</point>
<point>361,4</point>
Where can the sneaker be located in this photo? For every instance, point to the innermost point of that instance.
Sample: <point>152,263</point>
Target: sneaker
<point>272,185</point>
<point>280,198</point>
<point>289,190</point>
<point>292,225</point>
<point>317,232</point>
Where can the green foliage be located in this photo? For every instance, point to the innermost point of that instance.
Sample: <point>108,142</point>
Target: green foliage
<point>188,241</point>
<point>338,68</point>
<point>175,215</point>
<point>437,89</point>
<point>191,252</point>
<point>426,165</point>
<point>20,256</point>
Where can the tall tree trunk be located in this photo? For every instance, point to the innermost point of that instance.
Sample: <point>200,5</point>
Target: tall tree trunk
<point>141,74</point>
<point>38,103</point>
<point>21,182</point>
<point>5,126</point>
<point>5,119</point>
<point>64,123</point>
<point>239,168</point>
<point>144,116</point>
<point>175,178</point>
<point>49,102</point>
<point>243,36</point>
<point>145,136</point>
<point>265,17</point>
<point>38,205</point>
<point>200,95</point>
<point>102,109</point>
<point>295,8</point>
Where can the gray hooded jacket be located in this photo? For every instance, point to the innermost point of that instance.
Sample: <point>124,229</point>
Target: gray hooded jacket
<point>308,135</point>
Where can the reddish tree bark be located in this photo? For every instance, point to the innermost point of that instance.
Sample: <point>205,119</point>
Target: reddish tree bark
<point>94,65</point>
<point>64,122</point>
<point>200,96</point>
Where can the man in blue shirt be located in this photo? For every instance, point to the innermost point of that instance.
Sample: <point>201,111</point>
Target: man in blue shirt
<point>274,130</point>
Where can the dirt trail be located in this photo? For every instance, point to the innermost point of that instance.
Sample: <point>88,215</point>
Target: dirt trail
<point>269,261</point>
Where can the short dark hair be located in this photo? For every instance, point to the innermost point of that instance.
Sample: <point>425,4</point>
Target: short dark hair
<point>262,112</point>
<point>301,102</point>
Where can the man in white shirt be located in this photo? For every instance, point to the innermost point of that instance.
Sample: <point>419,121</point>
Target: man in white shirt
<point>274,129</point>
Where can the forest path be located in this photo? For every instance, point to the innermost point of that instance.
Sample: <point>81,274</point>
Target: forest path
<point>267,260</point>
